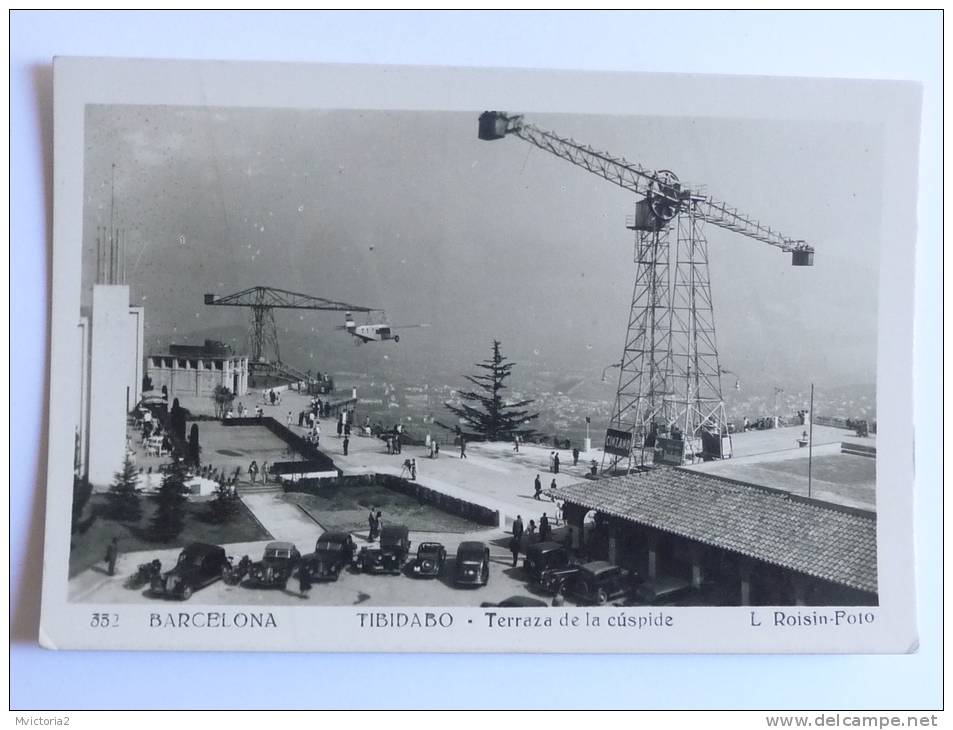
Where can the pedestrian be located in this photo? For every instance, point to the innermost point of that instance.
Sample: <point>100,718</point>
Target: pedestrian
<point>317,433</point>
<point>300,419</point>
<point>463,448</point>
<point>389,446</point>
<point>340,426</point>
<point>531,531</point>
<point>264,472</point>
<point>552,462</point>
<point>259,412</point>
<point>575,457</point>
<point>431,449</point>
<point>347,428</point>
<point>516,443</point>
<point>347,441</point>
<point>553,485</point>
<point>379,520</point>
<point>253,471</point>
<point>371,526</point>
<point>537,487</point>
<point>555,463</point>
<point>436,450</point>
<point>304,579</point>
<point>515,549</point>
<point>518,528</point>
<point>544,529</point>
<point>112,555</point>
<point>271,396</point>
<point>413,470</point>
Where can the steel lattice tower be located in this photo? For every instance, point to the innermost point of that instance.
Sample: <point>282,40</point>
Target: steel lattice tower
<point>669,375</point>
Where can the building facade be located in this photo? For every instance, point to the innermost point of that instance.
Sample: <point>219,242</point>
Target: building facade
<point>195,370</point>
<point>111,381</point>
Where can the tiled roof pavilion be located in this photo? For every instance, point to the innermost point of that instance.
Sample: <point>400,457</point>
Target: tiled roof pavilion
<point>834,543</point>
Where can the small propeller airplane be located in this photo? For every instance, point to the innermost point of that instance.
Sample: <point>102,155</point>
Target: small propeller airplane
<point>374,332</point>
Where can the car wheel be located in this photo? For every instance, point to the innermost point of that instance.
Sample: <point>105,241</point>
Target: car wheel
<point>602,597</point>
<point>186,592</point>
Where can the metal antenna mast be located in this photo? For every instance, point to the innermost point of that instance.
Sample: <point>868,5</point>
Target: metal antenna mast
<point>669,377</point>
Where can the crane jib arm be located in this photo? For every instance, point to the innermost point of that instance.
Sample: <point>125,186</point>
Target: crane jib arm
<point>269,297</point>
<point>655,185</point>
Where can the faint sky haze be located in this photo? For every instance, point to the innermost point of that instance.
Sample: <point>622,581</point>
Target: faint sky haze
<point>410,212</point>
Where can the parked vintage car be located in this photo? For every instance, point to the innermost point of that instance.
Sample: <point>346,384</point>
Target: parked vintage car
<point>390,556</point>
<point>276,565</point>
<point>516,602</point>
<point>663,590</point>
<point>429,561</point>
<point>198,566</point>
<point>600,582</point>
<point>472,566</point>
<point>333,552</point>
<point>549,566</point>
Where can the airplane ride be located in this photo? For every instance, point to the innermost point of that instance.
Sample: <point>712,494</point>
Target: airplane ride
<point>371,332</point>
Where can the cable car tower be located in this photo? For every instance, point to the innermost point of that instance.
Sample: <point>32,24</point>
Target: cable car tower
<point>669,378</point>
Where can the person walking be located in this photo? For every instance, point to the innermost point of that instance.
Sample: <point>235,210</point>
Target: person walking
<point>516,443</point>
<point>379,520</point>
<point>518,528</point>
<point>264,472</point>
<point>112,555</point>
<point>371,526</point>
<point>436,450</point>
<point>463,448</point>
<point>544,529</point>
<point>431,448</point>
<point>531,531</point>
<point>347,442</point>
<point>290,420</point>
<point>253,471</point>
<point>555,463</point>
<point>552,462</point>
<point>390,448</point>
<point>515,549</point>
<point>340,426</point>
<point>537,487</point>
<point>575,457</point>
<point>304,579</point>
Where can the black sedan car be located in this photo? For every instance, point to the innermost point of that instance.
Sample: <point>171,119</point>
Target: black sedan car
<point>549,566</point>
<point>472,566</point>
<point>198,565</point>
<point>333,552</point>
<point>429,561</point>
<point>390,556</point>
<point>599,582</point>
<point>276,565</point>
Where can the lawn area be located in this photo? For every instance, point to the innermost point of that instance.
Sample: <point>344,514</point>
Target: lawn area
<point>95,531</point>
<point>345,507</point>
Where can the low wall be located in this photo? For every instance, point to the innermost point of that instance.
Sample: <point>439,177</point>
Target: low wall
<point>451,505</point>
<point>316,458</point>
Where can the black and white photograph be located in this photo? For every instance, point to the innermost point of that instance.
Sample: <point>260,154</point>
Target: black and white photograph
<point>435,375</point>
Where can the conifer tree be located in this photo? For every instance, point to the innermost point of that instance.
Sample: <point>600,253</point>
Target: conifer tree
<point>123,498</point>
<point>485,411</point>
<point>169,518</point>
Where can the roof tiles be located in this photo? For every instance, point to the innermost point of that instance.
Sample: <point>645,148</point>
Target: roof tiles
<point>824,541</point>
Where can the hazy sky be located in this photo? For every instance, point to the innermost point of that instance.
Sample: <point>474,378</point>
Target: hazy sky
<point>412,213</point>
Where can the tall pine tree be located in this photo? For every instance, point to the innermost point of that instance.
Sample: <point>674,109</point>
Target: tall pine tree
<point>123,497</point>
<point>485,411</point>
<point>169,518</point>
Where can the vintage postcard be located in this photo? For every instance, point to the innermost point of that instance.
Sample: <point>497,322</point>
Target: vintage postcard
<point>357,358</point>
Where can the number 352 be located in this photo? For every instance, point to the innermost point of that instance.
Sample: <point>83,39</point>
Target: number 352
<point>104,620</point>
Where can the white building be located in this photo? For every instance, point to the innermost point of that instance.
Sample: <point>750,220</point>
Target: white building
<point>111,337</point>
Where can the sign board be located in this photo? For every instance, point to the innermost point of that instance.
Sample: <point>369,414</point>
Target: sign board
<point>669,451</point>
<point>618,443</point>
